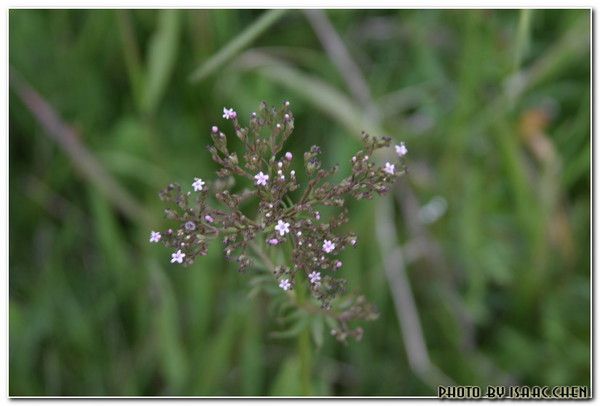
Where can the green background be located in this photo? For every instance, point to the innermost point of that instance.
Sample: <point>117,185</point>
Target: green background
<point>492,220</point>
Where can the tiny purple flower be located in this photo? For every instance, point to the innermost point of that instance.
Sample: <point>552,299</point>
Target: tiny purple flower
<point>338,264</point>
<point>209,218</point>
<point>177,257</point>
<point>328,246</point>
<point>389,168</point>
<point>401,149</point>
<point>155,236</point>
<point>215,129</point>
<point>318,215</point>
<point>261,179</point>
<point>288,156</point>
<point>190,226</point>
<point>229,114</point>
<point>273,241</point>
<point>198,184</point>
<point>315,277</point>
<point>282,227</point>
<point>285,284</point>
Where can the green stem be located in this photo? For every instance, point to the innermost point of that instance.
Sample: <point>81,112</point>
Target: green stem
<point>304,344</point>
<point>300,299</point>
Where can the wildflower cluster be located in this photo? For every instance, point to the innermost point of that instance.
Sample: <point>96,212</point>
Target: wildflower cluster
<point>212,209</point>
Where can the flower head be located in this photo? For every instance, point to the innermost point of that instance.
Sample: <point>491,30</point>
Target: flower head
<point>177,257</point>
<point>328,246</point>
<point>285,284</point>
<point>155,236</point>
<point>315,277</point>
<point>229,114</point>
<point>198,184</point>
<point>401,150</point>
<point>282,227</point>
<point>261,179</point>
<point>317,246</point>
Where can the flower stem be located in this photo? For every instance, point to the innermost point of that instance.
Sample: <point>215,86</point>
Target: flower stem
<point>304,345</point>
<point>303,340</point>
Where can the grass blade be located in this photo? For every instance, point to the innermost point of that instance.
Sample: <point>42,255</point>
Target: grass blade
<point>161,59</point>
<point>236,45</point>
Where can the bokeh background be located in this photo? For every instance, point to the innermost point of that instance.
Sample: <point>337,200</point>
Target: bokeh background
<point>479,262</point>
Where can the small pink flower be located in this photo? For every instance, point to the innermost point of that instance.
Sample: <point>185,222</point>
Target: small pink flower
<point>389,168</point>
<point>328,246</point>
<point>318,215</point>
<point>261,179</point>
<point>229,114</point>
<point>288,156</point>
<point>155,236</point>
<point>338,264</point>
<point>215,129</point>
<point>315,277</point>
<point>177,257</point>
<point>285,284</point>
<point>198,184</point>
<point>273,241</point>
<point>282,227</point>
<point>209,218</point>
<point>401,150</point>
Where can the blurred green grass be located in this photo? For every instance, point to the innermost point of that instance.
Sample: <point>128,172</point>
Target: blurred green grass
<point>494,107</point>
